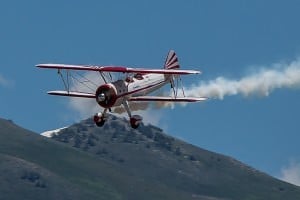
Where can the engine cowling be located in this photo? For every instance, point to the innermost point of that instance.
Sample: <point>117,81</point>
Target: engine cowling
<point>106,95</point>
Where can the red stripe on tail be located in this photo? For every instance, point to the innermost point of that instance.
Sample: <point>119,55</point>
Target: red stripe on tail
<point>172,61</point>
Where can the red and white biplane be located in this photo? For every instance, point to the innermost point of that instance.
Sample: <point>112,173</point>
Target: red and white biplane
<point>134,86</point>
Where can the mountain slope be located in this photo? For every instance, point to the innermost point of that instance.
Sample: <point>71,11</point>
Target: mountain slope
<point>149,153</point>
<point>33,166</point>
<point>117,162</point>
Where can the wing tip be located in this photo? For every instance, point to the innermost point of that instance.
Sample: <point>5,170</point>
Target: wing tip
<point>39,65</point>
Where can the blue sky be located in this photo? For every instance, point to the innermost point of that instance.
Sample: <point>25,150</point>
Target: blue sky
<point>231,39</point>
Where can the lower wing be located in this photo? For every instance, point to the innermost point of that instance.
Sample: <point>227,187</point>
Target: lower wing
<point>139,98</point>
<point>71,94</point>
<point>171,99</point>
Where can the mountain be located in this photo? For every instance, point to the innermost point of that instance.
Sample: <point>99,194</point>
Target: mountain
<point>117,162</point>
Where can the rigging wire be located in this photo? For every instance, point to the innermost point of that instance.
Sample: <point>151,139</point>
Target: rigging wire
<point>103,78</point>
<point>76,78</point>
<point>84,83</point>
<point>181,86</point>
<point>86,79</point>
<point>63,80</point>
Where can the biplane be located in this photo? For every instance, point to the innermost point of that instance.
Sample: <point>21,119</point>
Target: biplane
<point>134,86</point>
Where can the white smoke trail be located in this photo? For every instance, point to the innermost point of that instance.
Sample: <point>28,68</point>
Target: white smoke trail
<point>261,83</point>
<point>291,173</point>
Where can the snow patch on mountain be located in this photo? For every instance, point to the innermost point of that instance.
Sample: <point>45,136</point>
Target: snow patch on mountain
<point>52,132</point>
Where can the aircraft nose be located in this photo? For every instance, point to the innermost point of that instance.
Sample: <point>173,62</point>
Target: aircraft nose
<point>101,97</point>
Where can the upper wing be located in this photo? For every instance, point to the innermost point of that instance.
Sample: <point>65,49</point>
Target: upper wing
<point>71,94</point>
<point>117,69</point>
<point>171,99</point>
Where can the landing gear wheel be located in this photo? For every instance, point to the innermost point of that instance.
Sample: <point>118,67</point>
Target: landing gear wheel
<point>100,124</point>
<point>135,121</point>
<point>99,119</point>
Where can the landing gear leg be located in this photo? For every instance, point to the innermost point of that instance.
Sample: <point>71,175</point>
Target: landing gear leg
<point>135,120</point>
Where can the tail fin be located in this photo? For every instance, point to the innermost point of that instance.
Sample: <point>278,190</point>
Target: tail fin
<point>172,61</point>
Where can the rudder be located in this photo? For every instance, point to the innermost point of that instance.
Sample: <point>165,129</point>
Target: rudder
<point>172,61</point>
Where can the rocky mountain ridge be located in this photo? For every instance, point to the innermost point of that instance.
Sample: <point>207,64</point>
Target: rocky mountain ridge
<point>117,162</point>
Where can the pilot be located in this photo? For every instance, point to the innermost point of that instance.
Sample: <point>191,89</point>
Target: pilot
<point>129,79</point>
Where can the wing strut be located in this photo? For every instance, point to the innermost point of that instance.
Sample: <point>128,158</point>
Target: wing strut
<point>101,74</point>
<point>173,85</point>
<point>181,86</point>
<point>66,84</point>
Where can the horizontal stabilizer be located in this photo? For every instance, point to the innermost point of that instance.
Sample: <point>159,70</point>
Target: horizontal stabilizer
<point>117,69</point>
<point>170,99</point>
<point>71,94</point>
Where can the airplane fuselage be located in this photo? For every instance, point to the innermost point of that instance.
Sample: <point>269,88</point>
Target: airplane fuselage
<point>114,94</point>
<point>149,83</point>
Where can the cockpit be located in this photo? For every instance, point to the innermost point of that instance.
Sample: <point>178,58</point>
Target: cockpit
<point>130,78</point>
<point>138,76</point>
